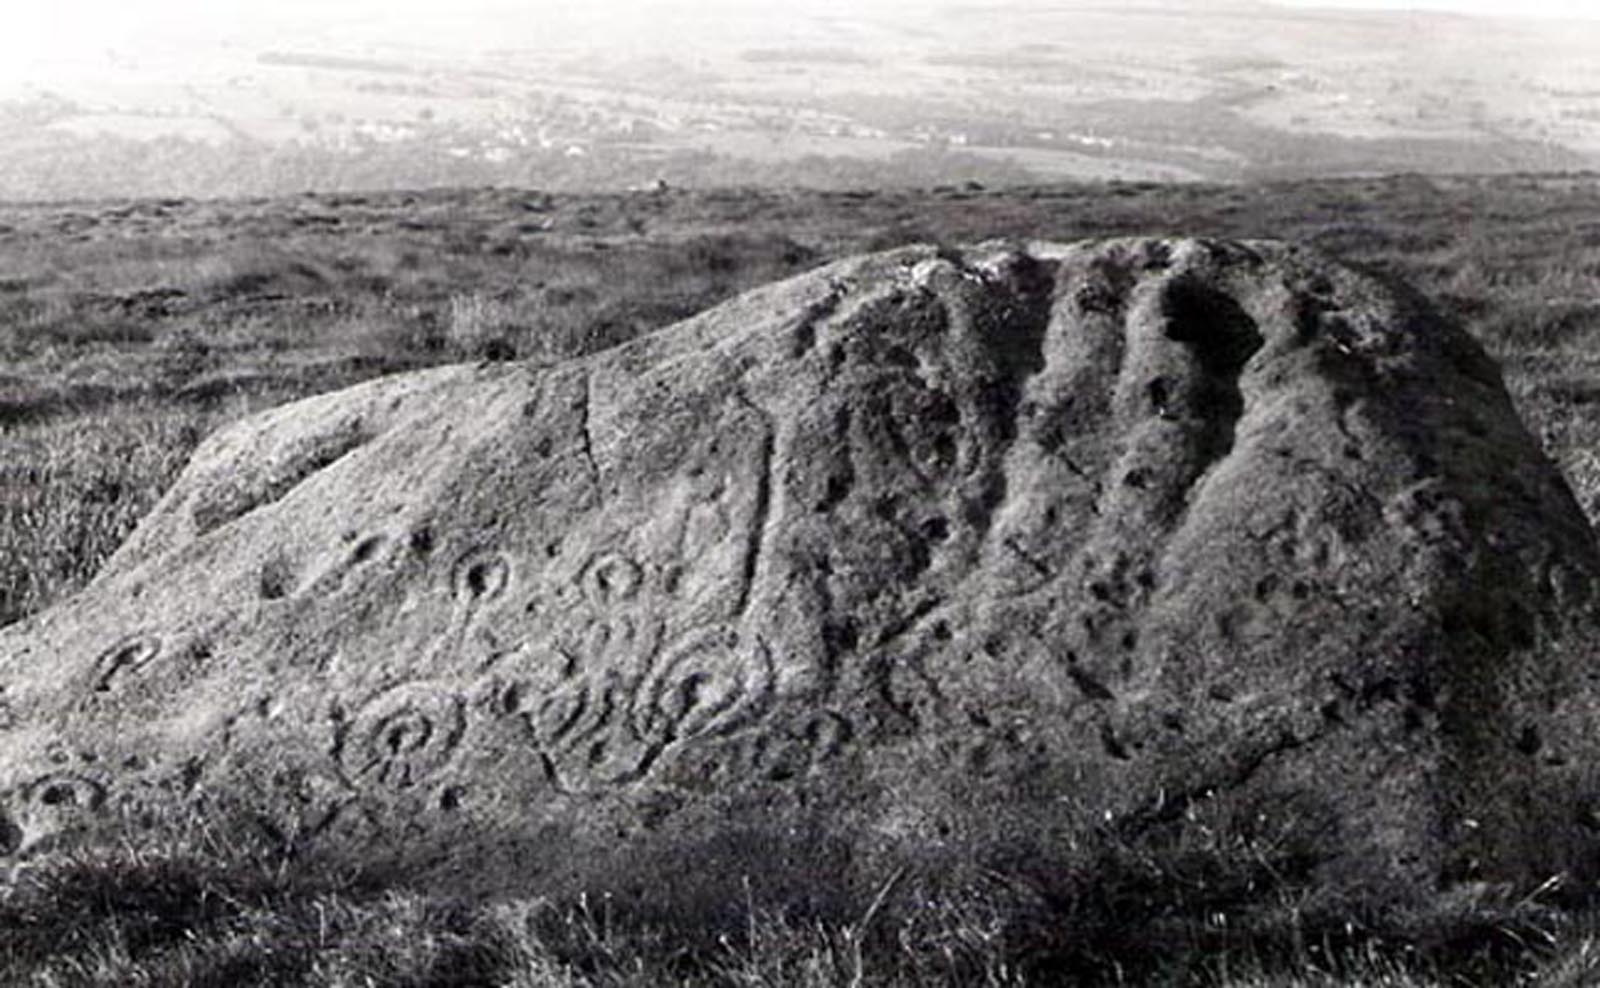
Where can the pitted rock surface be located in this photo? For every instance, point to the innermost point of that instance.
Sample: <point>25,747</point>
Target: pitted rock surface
<point>924,556</point>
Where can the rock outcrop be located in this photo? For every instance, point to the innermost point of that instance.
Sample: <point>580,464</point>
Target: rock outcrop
<point>921,558</point>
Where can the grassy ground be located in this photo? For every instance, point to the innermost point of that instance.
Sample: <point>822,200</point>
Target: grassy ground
<point>130,330</point>
<point>186,909</point>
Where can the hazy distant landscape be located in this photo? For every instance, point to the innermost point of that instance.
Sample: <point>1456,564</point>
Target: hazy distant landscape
<point>884,94</point>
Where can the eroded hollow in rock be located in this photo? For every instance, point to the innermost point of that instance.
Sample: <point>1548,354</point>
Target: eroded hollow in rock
<point>1223,338</point>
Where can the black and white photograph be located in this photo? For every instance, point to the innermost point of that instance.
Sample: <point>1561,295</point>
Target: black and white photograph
<point>818,494</point>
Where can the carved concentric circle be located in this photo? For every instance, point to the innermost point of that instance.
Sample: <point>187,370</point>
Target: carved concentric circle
<point>403,736</point>
<point>712,683</point>
<point>480,577</point>
<point>63,794</point>
<point>611,578</point>
<point>51,804</point>
<point>547,691</point>
<point>127,657</point>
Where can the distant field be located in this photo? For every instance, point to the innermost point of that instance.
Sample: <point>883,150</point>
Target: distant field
<point>266,102</point>
<point>130,329</point>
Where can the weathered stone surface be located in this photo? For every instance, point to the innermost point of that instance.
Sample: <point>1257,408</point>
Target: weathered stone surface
<point>917,558</point>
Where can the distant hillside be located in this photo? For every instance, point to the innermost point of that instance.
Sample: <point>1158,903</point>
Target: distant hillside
<point>827,96</point>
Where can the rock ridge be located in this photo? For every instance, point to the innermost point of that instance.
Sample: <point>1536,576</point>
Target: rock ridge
<point>934,555</point>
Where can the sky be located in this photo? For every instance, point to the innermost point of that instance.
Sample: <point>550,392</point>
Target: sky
<point>50,27</point>
<point>1576,9</point>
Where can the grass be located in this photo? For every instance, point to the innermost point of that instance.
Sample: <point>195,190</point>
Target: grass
<point>126,337</point>
<point>179,906</point>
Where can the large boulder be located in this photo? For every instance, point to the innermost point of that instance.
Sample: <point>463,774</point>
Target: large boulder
<point>953,561</point>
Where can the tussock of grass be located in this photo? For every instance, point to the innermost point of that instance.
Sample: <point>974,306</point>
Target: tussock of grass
<point>72,490</point>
